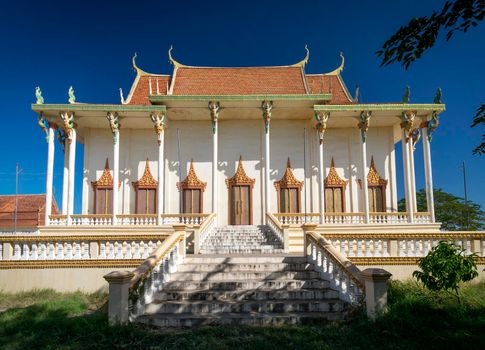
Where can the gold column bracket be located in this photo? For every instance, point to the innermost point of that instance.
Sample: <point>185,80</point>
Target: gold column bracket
<point>321,123</point>
<point>364,122</point>
<point>159,124</point>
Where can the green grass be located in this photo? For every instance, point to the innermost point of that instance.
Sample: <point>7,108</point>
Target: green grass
<point>416,319</point>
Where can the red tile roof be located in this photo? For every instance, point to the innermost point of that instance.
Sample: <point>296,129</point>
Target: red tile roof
<point>282,80</point>
<point>239,81</point>
<point>30,210</point>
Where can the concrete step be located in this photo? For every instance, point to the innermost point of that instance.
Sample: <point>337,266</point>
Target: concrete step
<point>259,306</point>
<point>230,267</point>
<point>241,251</point>
<point>174,285</point>
<point>249,319</point>
<point>238,259</point>
<point>250,294</point>
<point>244,275</point>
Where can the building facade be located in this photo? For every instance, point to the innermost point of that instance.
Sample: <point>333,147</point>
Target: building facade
<point>242,143</point>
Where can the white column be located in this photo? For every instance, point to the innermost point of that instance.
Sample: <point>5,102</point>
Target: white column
<point>413,175</point>
<point>266,172</point>
<point>428,174</point>
<point>214,165</point>
<point>321,176</point>
<point>72,162</point>
<point>65,178</point>
<point>407,177</point>
<point>364,179</point>
<point>161,165</point>
<point>50,174</point>
<point>116,173</point>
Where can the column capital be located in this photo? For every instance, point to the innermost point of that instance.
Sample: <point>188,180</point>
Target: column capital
<point>364,122</point>
<point>114,125</point>
<point>431,125</point>
<point>159,124</point>
<point>68,124</point>
<point>321,118</point>
<point>214,109</point>
<point>267,107</point>
<point>45,125</point>
<point>407,123</point>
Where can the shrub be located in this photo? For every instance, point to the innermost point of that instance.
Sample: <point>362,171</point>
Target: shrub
<point>445,266</point>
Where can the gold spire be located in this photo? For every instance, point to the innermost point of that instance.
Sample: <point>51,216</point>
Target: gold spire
<point>240,177</point>
<point>106,179</point>
<point>147,180</point>
<point>373,177</point>
<point>288,179</point>
<point>192,181</point>
<point>333,179</point>
<point>340,68</point>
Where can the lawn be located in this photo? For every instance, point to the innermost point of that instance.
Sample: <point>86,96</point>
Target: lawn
<point>417,319</point>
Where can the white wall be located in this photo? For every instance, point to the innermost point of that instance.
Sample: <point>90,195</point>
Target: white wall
<point>245,138</point>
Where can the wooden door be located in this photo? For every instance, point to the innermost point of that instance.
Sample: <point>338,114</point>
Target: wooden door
<point>146,201</point>
<point>376,199</point>
<point>289,200</point>
<point>103,202</point>
<point>334,201</point>
<point>192,201</point>
<point>240,205</point>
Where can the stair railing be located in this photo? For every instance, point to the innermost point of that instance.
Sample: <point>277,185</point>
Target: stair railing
<point>155,271</point>
<point>203,232</point>
<point>343,275</point>
<point>279,229</point>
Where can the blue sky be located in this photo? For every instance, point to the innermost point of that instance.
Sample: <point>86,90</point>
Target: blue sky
<point>89,44</point>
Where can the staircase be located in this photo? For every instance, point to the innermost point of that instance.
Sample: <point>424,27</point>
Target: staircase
<point>242,240</point>
<point>243,289</point>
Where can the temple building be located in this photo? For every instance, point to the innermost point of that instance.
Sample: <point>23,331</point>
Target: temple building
<point>242,143</point>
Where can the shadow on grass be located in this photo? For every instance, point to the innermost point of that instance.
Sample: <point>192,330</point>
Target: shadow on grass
<point>416,319</point>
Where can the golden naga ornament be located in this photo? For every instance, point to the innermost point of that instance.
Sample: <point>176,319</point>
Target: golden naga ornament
<point>373,177</point>
<point>158,124</point>
<point>240,177</point>
<point>321,123</point>
<point>333,179</point>
<point>288,180</point>
<point>147,180</point>
<point>192,181</point>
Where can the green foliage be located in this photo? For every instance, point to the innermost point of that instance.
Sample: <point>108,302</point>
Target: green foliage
<point>417,319</point>
<point>445,267</point>
<point>480,120</point>
<point>451,211</point>
<point>410,42</point>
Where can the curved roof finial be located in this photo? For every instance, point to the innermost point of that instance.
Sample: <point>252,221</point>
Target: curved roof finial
<point>172,61</point>
<point>304,61</point>
<point>135,67</point>
<point>340,68</point>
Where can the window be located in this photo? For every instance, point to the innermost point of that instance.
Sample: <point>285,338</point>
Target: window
<point>146,192</point>
<point>192,192</point>
<point>334,191</point>
<point>289,191</point>
<point>376,188</point>
<point>103,192</point>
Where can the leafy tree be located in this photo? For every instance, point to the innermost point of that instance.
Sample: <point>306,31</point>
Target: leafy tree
<point>451,211</point>
<point>445,266</point>
<point>410,42</point>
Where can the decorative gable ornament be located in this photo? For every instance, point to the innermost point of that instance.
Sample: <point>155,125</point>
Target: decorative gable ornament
<point>373,177</point>
<point>192,181</point>
<point>240,177</point>
<point>147,180</point>
<point>288,180</point>
<point>333,179</point>
<point>105,180</point>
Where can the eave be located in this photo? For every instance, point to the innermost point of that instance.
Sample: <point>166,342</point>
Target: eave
<point>206,98</point>
<point>84,107</point>
<point>399,107</point>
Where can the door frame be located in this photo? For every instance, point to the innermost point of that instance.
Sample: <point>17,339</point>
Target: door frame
<point>240,178</point>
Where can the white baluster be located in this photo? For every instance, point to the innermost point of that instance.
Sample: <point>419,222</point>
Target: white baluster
<point>111,250</point>
<point>145,253</point>
<point>85,251</point>
<point>119,250</point>
<point>136,254</point>
<point>25,251</point>
<point>33,253</point>
<point>410,247</point>
<point>128,254</point>
<point>69,251</point>
<point>385,249</point>
<point>102,250</point>
<point>367,247</point>
<point>60,251</point>
<point>377,252</point>
<point>77,250</point>
<point>402,247</point>
<point>17,254</point>
<point>359,248</point>
<point>42,251</point>
<point>51,248</point>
